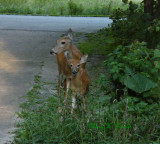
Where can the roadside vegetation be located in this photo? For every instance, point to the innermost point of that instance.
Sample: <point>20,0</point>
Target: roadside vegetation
<point>124,98</point>
<point>61,7</point>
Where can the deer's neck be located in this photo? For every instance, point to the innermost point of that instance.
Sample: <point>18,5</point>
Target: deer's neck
<point>70,50</point>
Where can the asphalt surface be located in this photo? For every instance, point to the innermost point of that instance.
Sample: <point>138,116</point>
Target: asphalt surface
<point>25,41</point>
<point>49,23</point>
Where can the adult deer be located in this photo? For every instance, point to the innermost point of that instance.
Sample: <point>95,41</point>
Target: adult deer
<point>65,44</point>
<point>80,80</point>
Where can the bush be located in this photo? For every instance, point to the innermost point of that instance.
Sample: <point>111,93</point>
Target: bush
<point>131,25</point>
<point>133,64</point>
<point>74,9</point>
<point>135,67</point>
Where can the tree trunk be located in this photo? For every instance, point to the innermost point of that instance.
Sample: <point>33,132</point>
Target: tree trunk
<point>158,9</point>
<point>148,6</point>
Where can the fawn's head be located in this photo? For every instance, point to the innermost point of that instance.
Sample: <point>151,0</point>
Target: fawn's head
<point>75,64</point>
<point>63,44</point>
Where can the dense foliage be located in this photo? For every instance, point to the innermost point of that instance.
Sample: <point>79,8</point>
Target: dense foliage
<point>134,62</point>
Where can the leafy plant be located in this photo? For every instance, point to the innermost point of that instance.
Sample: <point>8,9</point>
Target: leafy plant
<point>139,83</point>
<point>133,66</point>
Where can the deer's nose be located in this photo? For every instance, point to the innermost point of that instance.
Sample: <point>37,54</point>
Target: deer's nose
<point>51,52</point>
<point>74,73</point>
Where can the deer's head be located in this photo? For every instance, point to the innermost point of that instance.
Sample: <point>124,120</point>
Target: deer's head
<point>75,64</point>
<point>63,44</point>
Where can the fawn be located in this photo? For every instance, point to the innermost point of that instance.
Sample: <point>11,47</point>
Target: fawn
<point>65,44</point>
<point>80,80</point>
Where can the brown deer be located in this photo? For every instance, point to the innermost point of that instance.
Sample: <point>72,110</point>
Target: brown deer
<point>65,44</point>
<point>80,80</point>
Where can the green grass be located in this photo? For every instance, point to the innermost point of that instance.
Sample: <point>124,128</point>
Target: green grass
<point>61,7</point>
<point>106,120</point>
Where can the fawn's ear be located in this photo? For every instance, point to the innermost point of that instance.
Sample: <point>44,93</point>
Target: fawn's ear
<point>84,59</point>
<point>67,55</point>
<point>69,34</point>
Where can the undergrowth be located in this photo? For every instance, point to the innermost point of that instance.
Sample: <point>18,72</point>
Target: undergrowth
<point>106,121</point>
<point>95,43</point>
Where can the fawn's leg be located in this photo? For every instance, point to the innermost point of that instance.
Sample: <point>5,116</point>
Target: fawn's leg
<point>73,103</point>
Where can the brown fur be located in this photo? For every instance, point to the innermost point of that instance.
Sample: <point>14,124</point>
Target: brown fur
<point>63,67</point>
<point>79,82</point>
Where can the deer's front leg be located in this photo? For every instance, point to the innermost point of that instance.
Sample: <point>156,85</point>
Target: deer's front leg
<point>59,86</point>
<point>68,81</point>
<point>84,99</point>
<point>59,91</point>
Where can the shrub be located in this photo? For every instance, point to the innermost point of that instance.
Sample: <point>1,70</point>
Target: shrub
<point>135,67</point>
<point>131,25</point>
<point>74,9</point>
<point>133,63</point>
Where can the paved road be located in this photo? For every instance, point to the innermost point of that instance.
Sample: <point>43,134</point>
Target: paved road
<point>56,24</point>
<point>25,41</point>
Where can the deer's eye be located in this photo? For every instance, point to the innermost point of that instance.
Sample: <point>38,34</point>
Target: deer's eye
<point>62,42</point>
<point>71,65</point>
<point>78,65</point>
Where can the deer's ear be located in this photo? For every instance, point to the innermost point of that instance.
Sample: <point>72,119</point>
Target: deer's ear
<point>84,59</point>
<point>69,34</point>
<point>67,55</point>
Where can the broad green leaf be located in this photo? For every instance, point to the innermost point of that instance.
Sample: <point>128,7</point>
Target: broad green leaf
<point>129,71</point>
<point>157,53</point>
<point>139,83</point>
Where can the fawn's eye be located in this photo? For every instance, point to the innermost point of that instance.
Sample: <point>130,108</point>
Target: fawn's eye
<point>62,42</point>
<point>78,65</point>
<point>71,65</point>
